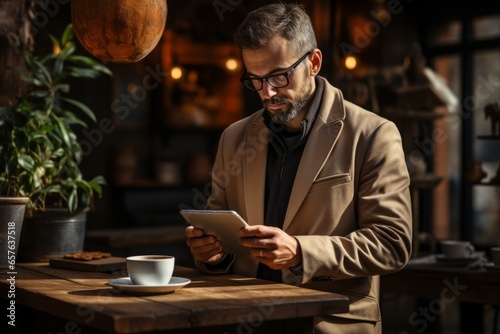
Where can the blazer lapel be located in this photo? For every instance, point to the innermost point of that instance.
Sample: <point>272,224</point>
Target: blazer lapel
<point>321,141</point>
<point>315,154</point>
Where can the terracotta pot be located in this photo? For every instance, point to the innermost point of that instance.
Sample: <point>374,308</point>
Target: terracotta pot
<point>120,31</point>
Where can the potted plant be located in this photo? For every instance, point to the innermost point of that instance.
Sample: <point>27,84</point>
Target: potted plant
<point>41,155</point>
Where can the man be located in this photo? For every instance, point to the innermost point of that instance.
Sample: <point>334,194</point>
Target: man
<point>322,182</point>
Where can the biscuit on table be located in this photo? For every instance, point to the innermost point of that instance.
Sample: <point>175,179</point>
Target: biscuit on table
<point>86,256</point>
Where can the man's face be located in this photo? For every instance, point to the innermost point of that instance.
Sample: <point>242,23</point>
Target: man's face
<point>283,104</point>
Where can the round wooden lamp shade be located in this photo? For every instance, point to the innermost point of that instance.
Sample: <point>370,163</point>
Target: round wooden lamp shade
<point>119,31</point>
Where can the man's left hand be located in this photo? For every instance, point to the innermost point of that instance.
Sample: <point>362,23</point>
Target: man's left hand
<point>271,246</point>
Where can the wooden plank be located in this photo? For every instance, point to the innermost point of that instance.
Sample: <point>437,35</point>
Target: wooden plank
<point>101,265</point>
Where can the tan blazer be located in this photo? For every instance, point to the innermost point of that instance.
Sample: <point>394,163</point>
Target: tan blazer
<point>349,207</point>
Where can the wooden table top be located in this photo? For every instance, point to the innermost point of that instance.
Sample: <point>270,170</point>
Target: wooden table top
<point>209,300</point>
<point>476,285</point>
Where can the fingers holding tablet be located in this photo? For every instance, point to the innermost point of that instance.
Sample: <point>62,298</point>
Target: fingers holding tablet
<point>216,225</point>
<point>205,248</point>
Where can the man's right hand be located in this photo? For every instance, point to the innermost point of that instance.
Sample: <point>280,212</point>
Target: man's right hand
<point>205,248</point>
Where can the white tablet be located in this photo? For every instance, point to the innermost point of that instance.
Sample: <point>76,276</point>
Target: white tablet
<point>223,224</point>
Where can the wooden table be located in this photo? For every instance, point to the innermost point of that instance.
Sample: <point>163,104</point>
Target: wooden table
<point>54,300</point>
<point>442,284</point>
<point>437,281</point>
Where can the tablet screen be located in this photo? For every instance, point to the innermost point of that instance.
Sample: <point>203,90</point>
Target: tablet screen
<point>223,224</point>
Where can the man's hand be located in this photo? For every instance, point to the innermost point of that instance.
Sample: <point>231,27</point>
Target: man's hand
<point>205,248</point>
<point>271,246</point>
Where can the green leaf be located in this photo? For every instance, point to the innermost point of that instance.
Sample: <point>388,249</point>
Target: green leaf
<point>90,64</point>
<point>102,69</point>
<point>82,107</point>
<point>84,185</point>
<point>26,162</point>
<point>48,57</point>
<point>71,118</point>
<point>58,67</point>
<point>18,69</point>
<point>57,153</point>
<point>43,70</point>
<point>67,35</point>
<point>82,60</point>
<point>42,78</point>
<point>73,201</point>
<point>97,188</point>
<point>37,181</point>
<point>99,180</point>
<point>55,41</point>
<point>53,188</point>
<point>63,87</point>
<point>68,50</point>
<point>63,131</point>
<point>32,81</point>
<point>83,73</point>
<point>37,94</point>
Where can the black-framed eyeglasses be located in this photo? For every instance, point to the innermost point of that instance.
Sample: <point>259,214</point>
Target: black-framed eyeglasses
<point>278,80</point>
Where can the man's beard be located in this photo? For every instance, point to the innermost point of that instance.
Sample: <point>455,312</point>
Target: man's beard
<point>292,108</point>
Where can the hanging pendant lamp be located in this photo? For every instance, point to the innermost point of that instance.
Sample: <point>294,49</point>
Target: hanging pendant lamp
<point>119,31</point>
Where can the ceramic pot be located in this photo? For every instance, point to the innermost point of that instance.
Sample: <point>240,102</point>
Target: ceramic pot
<point>51,234</point>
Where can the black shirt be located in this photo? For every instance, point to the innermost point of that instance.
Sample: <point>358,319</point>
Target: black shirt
<point>284,153</point>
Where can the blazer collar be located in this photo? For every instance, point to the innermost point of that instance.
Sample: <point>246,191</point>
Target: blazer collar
<point>322,139</point>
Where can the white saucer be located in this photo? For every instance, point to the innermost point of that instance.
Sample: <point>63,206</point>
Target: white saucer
<point>125,284</point>
<point>459,260</point>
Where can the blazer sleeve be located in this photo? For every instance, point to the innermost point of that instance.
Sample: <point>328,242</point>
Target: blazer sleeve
<point>381,241</point>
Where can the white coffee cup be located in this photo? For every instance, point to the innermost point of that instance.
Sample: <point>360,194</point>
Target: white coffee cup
<point>495,255</point>
<point>457,248</point>
<point>152,270</point>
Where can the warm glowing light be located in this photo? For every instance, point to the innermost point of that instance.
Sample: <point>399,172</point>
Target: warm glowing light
<point>350,62</point>
<point>176,73</point>
<point>231,64</point>
<point>56,49</point>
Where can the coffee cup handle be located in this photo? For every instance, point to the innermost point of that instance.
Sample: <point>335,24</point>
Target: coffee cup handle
<point>470,249</point>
